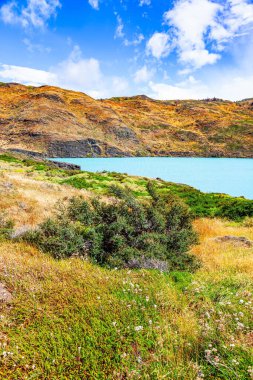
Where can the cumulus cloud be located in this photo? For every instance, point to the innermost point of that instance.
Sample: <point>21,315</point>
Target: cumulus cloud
<point>76,73</point>
<point>35,13</point>
<point>26,75</point>
<point>188,89</point>
<point>231,86</point>
<point>94,4</point>
<point>143,74</point>
<point>158,45</point>
<point>201,29</point>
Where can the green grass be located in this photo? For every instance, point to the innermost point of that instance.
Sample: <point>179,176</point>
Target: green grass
<point>201,204</point>
<point>73,321</point>
<point>70,320</point>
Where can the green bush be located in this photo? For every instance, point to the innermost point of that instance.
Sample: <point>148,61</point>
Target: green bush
<point>6,228</point>
<point>121,231</point>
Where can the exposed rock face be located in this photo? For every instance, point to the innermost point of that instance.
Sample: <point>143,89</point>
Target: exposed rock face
<point>82,148</point>
<point>65,165</point>
<point>79,148</point>
<point>49,121</point>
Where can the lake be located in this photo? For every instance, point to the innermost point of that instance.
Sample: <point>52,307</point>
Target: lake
<point>232,176</point>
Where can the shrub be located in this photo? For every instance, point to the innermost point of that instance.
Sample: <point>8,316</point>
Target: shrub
<point>6,228</point>
<point>60,239</point>
<point>121,232</point>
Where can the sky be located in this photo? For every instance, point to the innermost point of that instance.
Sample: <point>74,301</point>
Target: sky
<point>164,49</point>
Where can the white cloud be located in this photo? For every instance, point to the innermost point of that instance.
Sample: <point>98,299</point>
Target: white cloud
<point>76,73</point>
<point>143,75</point>
<point>36,12</point>
<point>158,45</point>
<point>119,33</point>
<point>94,4</point>
<point>191,20</point>
<point>137,40</point>
<point>26,75</point>
<point>198,57</point>
<point>201,28</point>
<point>188,89</point>
<point>144,2</point>
<point>231,86</point>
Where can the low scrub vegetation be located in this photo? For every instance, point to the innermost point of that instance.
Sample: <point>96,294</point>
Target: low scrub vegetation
<point>201,204</point>
<point>124,232</point>
<point>71,320</point>
<point>6,227</point>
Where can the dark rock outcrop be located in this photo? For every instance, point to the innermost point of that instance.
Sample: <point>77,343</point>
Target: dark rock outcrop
<point>67,166</point>
<point>78,148</point>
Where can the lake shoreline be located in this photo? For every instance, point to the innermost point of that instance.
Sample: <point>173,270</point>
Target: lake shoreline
<point>232,176</point>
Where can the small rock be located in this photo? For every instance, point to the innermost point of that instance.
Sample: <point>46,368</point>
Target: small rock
<point>5,295</point>
<point>18,232</point>
<point>237,240</point>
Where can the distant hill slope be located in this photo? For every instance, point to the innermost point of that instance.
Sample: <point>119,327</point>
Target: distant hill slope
<point>54,122</point>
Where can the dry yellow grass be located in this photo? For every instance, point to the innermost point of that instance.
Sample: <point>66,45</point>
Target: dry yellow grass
<point>59,306</point>
<point>136,125</point>
<point>27,200</point>
<point>71,320</point>
<point>218,256</point>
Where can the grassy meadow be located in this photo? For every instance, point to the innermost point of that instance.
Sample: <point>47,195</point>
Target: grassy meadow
<point>71,320</point>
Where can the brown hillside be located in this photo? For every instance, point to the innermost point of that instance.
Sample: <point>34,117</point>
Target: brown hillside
<point>56,122</point>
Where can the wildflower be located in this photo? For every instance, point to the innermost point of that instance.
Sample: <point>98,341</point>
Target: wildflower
<point>208,352</point>
<point>138,328</point>
<point>250,371</point>
<point>241,301</point>
<point>216,360</point>
<point>114,323</point>
<point>139,359</point>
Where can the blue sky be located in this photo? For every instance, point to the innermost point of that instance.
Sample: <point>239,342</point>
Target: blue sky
<point>164,49</point>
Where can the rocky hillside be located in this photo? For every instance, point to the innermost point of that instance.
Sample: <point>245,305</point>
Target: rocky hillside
<point>54,122</point>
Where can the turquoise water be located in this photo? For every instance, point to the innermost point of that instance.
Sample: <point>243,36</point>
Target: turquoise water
<point>232,176</point>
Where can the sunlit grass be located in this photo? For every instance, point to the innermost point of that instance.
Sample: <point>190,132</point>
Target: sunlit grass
<point>72,320</point>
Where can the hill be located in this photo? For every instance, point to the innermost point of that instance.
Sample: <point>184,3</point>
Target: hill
<point>54,122</point>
